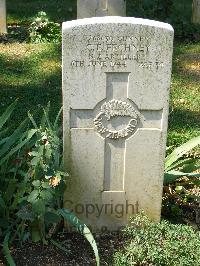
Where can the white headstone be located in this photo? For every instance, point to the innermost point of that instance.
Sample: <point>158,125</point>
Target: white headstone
<point>3,28</point>
<point>100,8</point>
<point>116,80</point>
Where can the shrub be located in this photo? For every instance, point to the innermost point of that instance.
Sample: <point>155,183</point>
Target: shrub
<point>32,182</point>
<point>42,30</point>
<point>159,244</point>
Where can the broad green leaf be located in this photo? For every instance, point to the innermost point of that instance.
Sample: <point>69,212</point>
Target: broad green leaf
<point>172,176</point>
<point>46,195</point>
<point>82,228</point>
<point>46,185</point>
<point>5,116</point>
<point>35,161</point>
<point>180,151</point>
<point>36,183</point>
<point>33,196</point>
<point>180,163</point>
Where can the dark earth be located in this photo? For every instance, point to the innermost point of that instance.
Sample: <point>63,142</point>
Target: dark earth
<point>78,251</point>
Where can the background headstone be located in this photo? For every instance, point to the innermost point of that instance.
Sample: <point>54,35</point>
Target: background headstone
<point>100,8</point>
<point>196,11</point>
<point>3,28</point>
<point>116,80</point>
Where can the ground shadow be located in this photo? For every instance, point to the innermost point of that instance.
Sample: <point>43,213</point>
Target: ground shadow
<point>182,118</point>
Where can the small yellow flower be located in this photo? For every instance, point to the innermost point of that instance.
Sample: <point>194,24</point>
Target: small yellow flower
<point>54,181</point>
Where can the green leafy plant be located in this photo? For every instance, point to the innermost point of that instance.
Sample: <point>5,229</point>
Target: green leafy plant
<point>181,183</point>
<point>176,166</point>
<point>42,30</point>
<point>32,183</point>
<point>149,243</point>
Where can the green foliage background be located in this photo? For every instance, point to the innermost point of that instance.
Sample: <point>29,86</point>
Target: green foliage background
<point>176,12</point>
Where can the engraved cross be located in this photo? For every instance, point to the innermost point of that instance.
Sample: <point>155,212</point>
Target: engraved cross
<point>115,119</point>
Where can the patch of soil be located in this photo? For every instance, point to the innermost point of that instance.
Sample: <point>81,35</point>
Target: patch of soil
<point>79,251</point>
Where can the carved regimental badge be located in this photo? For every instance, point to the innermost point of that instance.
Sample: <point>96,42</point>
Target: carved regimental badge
<point>116,108</point>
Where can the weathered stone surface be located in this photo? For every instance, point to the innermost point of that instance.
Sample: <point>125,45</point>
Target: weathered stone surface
<point>100,8</point>
<point>3,28</point>
<point>116,80</point>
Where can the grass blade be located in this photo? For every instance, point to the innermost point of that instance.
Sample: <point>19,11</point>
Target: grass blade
<point>180,151</point>
<point>6,251</point>
<point>32,120</point>
<point>29,135</point>
<point>57,119</point>
<point>13,138</point>
<point>5,116</point>
<point>180,164</point>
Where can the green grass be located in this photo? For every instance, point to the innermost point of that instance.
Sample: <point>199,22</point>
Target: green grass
<point>184,120</point>
<point>31,73</point>
<point>22,11</point>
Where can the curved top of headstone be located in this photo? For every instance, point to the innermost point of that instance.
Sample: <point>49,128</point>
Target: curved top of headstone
<point>116,20</point>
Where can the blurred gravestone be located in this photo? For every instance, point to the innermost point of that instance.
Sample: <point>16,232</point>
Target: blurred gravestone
<point>3,28</point>
<point>196,11</point>
<point>100,8</point>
